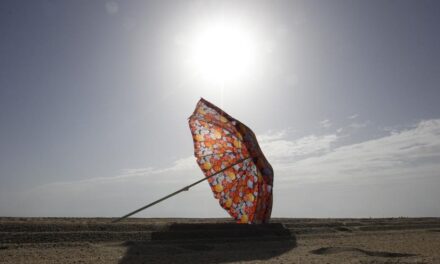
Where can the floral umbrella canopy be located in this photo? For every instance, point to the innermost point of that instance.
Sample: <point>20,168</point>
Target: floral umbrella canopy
<point>228,153</point>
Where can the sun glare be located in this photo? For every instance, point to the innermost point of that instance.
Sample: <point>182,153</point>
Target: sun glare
<point>223,52</point>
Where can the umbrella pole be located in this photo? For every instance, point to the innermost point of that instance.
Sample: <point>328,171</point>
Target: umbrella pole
<point>186,188</point>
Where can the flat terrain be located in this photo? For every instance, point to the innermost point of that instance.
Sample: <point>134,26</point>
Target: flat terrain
<point>97,240</point>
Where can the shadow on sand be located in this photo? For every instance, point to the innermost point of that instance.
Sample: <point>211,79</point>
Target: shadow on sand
<point>211,243</point>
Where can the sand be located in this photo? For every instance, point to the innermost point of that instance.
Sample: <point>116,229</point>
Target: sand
<point>97,240</point>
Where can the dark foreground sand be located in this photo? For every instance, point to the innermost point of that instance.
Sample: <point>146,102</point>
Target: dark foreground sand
<point>96,240</point>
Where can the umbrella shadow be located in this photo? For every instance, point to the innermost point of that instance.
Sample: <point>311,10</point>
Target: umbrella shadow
<point>211,243</point>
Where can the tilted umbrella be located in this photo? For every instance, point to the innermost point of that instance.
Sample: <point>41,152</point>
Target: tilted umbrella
<point>228,153</point>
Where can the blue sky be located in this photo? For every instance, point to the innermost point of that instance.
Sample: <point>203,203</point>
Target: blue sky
<point>95,96</point>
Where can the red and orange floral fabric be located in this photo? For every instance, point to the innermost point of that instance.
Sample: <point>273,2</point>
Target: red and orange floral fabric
<point>228,153</point>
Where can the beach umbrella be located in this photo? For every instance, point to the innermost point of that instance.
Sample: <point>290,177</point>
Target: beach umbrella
<point>228,153</point>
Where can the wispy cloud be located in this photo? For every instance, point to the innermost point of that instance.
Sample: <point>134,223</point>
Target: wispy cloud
<point>271,136</point>
<point>357,125</point>
<point>414,149</point>
<point>325,123</point>
<point>281,150</point>
<point>353,116</point>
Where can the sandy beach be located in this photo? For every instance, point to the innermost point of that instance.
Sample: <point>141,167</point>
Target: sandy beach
<point>137,240</point>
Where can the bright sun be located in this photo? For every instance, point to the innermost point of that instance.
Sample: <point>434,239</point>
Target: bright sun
<point>223,52</point>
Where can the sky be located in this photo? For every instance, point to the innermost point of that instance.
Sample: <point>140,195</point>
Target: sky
<point>95,98</point>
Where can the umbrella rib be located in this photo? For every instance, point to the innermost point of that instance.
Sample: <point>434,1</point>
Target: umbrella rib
<point>220,154</point>
<point>186,188</point>
<point>227,168</point>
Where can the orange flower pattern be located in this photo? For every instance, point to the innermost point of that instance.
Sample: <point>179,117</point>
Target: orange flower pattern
<point>228,153</point>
